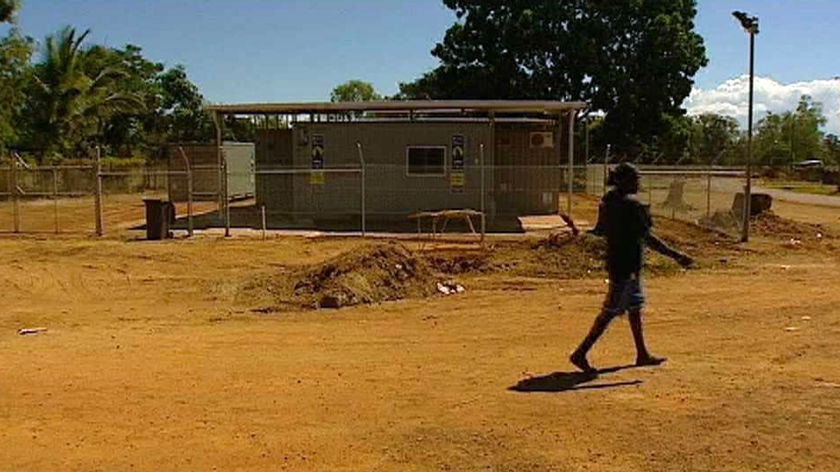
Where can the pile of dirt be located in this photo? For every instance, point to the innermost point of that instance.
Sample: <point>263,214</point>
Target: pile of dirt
<point>560,257</point>
<point>380,272</point>
<point>770,225</point>
<point>371,274</point>
<point>696,240</point>
<point>462,261</point>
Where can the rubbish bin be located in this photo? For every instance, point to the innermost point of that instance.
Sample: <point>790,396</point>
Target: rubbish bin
<point>160,215</point>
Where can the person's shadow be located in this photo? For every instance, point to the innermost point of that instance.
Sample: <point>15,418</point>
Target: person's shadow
<point>565,381</point>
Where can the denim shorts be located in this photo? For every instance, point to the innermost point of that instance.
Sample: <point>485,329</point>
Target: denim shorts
<point>625,294</point>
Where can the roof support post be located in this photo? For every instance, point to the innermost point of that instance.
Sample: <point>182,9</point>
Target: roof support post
<point>218,122</point>
<point>571,177</point>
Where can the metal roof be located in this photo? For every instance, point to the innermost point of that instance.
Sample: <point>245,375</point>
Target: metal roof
<point>486,106</point>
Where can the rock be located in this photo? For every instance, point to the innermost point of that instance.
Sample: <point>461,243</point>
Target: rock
<point>759,203</point>
<point>332,301</point>
<point>28,331</point>
<point>450,288</point>
<point>794,242</point>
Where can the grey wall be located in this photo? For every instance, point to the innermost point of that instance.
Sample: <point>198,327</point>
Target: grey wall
<point>389,189</point>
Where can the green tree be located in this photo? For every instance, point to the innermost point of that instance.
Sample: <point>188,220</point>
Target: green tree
<point>74,92</point>
<point>713,135</point>
<point>15,53</point>
<point>807,121</point>
<point>173,107</point>
<point>354,91</point>
<point>8,9</point>
<point>632,60</point>
<point>790,136</point>
<point>181,115</point>
<point>128,131</point>
<point>772,140</point>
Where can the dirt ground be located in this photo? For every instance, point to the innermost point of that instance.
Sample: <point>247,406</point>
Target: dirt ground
<point>157,358</point>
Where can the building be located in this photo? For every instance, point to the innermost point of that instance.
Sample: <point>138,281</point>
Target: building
<point>504,158</point>
<point>208,182</point>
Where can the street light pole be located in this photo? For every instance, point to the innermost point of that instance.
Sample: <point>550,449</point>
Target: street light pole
<point>750,25</point>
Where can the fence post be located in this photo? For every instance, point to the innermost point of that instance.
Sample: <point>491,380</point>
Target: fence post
<point>709,193</point>
<point>226,198</point>
<point>483,197</point>
<point>15,189</point>
<point>262,213</point>
<point>55,198</point>
<point>606,163</point>
<point>9,182</point>
<point>362,166</point>
<point>650,190</point>
<point>97,197</point>
<point>189,191</point>
<point>572,116</point>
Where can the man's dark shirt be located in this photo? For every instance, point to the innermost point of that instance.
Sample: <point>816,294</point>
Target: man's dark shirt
<point>626,224</point>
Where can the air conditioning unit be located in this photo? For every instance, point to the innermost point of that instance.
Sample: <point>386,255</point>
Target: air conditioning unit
<point>541,139</point>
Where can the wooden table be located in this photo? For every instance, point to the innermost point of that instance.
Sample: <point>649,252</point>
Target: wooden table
<point>446,215</point>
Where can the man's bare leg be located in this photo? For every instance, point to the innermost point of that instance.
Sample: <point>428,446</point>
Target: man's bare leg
<point>643,357</point>
<point>578,358</point>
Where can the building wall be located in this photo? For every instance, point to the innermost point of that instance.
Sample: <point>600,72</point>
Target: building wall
<point>390,190</point>
<point>274,151</point>
<point>525,179</point>
<point>529,177</point>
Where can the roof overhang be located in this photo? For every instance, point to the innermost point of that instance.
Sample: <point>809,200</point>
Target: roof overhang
<point>430,106</point>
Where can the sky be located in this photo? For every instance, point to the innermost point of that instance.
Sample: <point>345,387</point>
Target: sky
<point>298,50</point>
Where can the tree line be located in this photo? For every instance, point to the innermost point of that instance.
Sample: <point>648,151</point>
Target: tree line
<point>63,96</point>
<point>632,62</point>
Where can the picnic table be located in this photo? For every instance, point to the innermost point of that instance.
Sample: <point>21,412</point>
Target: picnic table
<point>445,216</point>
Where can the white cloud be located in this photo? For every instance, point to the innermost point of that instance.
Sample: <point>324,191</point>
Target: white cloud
<point>730,98</point>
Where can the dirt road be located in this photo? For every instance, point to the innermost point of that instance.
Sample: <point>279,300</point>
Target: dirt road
<point>152,362</point>
<point>801,198</point>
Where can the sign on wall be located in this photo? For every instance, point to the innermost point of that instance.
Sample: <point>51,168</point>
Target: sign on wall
<point>456,171</point>
<point>317,175</point>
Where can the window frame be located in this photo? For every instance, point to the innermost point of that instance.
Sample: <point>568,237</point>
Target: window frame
<point>408,149</point>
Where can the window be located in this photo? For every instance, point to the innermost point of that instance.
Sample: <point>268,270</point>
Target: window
<point>426,160</point>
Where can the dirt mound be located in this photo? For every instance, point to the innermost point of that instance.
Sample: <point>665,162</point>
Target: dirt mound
<point>553,257</point>
<point>696,240</point>
<point>768,224</point>
<point>380,272</point>
<point>462,261</point>
<point>371,274</point>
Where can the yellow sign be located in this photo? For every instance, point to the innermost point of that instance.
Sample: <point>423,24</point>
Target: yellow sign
<point>316,178</point>
<point>456,179</point>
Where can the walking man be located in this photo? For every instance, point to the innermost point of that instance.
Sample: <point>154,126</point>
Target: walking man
<point>626,224</point>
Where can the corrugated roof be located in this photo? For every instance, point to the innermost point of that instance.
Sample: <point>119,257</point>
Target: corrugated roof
<point>486,106</point>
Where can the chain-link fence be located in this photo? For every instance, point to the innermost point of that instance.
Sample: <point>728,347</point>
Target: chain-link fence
<point>708,196</point>
<point>47,199</point>
<point>384,197</point>
<point>90,199</point>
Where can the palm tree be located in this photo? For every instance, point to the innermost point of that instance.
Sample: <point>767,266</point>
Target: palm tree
<point>75,90</point>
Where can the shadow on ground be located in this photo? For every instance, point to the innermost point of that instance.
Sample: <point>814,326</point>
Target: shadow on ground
<point>565,381</point>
